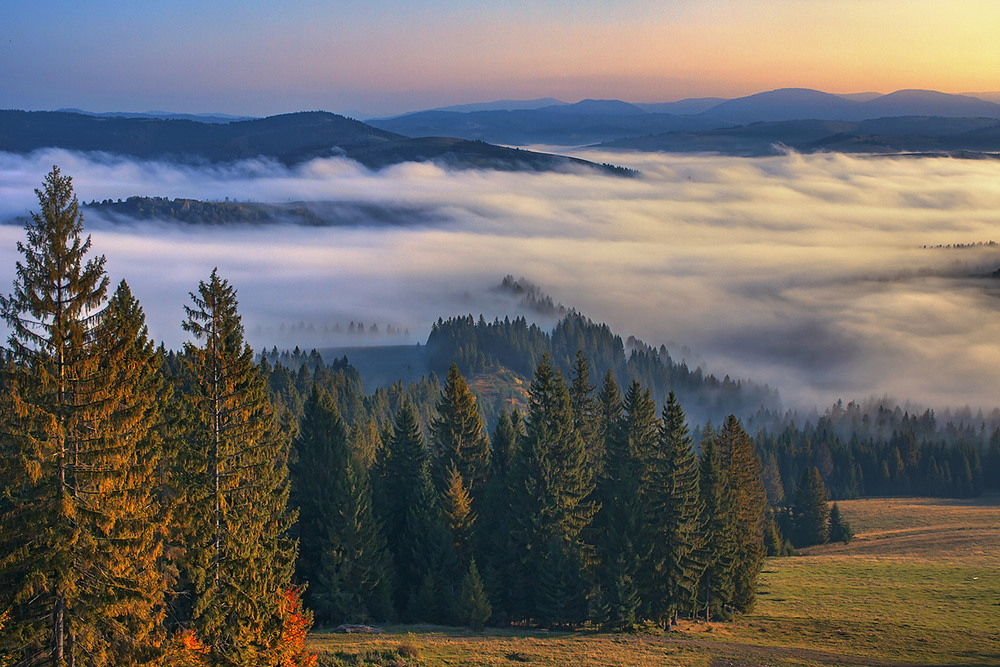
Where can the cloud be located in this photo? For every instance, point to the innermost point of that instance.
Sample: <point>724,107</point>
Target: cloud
<point>806,272</point>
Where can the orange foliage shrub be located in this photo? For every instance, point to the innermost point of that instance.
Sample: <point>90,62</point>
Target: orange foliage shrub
<point>187,651</point>
<point>296,622</point>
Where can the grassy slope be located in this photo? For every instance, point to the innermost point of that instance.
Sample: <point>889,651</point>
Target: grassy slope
<point>919,585</point>
<point>921,582</point>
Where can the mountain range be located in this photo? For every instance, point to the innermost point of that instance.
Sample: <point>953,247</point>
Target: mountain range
<point>481,136</point>
<point>602,121</point>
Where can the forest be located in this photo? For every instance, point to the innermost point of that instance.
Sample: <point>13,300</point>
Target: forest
<point>207,506</point>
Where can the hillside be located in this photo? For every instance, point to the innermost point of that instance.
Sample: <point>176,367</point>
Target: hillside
<point>289,139</point>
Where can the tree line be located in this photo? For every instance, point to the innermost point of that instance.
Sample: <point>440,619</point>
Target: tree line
<point>589,508</point>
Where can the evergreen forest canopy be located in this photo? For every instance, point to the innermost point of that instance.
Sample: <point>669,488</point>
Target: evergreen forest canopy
<point>204,506</point>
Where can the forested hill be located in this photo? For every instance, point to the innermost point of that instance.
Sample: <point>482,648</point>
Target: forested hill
<point>500,356</point>
<point>314,213</point>
<point>289,138</point>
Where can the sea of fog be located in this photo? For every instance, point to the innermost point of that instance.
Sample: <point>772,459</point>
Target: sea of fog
<point>821,275</point>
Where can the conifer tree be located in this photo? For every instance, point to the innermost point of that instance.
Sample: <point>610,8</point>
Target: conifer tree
<point>610,415</point>
<point>496,547</point>
<point>458,436</point>
<point>749,510</point>
<point>473,608</point>
<point>342,553</point>
<point>840,528</point>
<point>78,558</point>
<point>585,415</point>
<point>810,512</point>
<point>673,504</point>
<point>621,539</point>
<point>553,483</point>
<point>415,531</point>
<point>125,586</point>
<point>773,485</point>
<point>717,539</point>
<point>239,557</point>
<point>458,514</point>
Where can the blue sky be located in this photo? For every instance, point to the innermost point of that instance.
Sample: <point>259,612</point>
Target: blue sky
<point>379,58</point>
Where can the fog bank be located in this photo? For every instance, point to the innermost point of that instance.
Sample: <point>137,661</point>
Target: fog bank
<point>806,272</point>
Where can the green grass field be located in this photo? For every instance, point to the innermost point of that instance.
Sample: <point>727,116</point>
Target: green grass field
<point>920,584</point>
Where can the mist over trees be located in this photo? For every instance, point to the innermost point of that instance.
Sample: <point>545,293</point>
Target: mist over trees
<point>203,506</point>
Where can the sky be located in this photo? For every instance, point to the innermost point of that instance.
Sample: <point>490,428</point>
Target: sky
<point>378,58</point>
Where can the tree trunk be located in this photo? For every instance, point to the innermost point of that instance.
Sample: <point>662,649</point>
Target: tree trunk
<point>708,595</point>
<point>57,632</point>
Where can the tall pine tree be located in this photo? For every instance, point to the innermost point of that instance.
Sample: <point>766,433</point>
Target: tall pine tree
<point>619,527</point>
<point>496,546</point>
<point>718,532</point>
<point>342,554</point>
<point>78,558</point>
<point>749,509</point>
<point>239,556</point>
<point>418,538</point>
<point>610,415</point>
<point>553,483</point>
<point>585,408</point>
<point>674,507</point>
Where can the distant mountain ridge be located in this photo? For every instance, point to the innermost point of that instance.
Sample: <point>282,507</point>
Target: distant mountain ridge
<point>808,104</point>
<point>602,121</point>
<point>289,139</point>
<point>500,105</point>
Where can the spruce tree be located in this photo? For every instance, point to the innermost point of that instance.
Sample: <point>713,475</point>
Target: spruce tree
<point>458,436</point>
<point>773,485</point>
<point>621,539</point>
<point>810,511</point>
<point>610,414</point>
<point>81,543</point>
<point>239,556</point>
<point>473,607</point>
<point>496,546</point>
<point>456,506</point>
<point>553,484</point>
<point>585,408</point>
<point>749,510</point>
<point>126,585</point>
<point>342,554</point>
<point>418,538</point>
<point>674,509</point>
<point>840,528</point>
<point>718,532</point>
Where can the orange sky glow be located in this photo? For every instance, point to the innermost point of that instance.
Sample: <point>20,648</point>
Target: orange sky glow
<point>393,56</point>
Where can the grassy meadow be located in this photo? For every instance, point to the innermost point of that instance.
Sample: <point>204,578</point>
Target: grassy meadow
<point>919,584</point>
